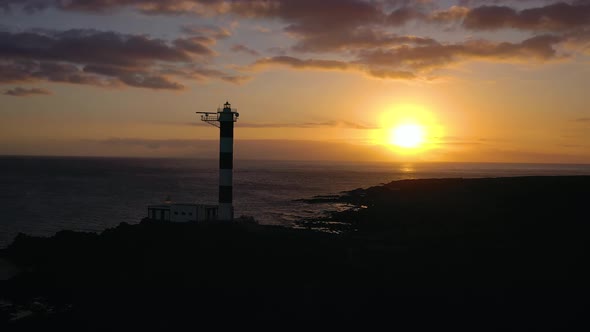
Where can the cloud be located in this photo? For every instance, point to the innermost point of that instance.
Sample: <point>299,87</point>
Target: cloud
<point>244,49</point>
<point>461,141</point>
<point>418,61</point>
<point>401,16</point>
<point>170,7</point>
<point>345,35</point>
<point>340,124</point>
<point>202,73</point>
<point>439,55</point>
<point>355,39</point>
<point>26,71</point>
<point>573,146</point>
<point>24,92</point>
<point>360,34</point>
<point>194,45</point>
<point>105,58</point>
<point>452,14</point>
<point>235,79</point>
<point>91,46</point>
<point>319,64</point>
<point>150,143</point>
<point>304,14</point>
<point>152,82</point>
<point>303,64</point>
<point>557,16</point>
<point>210,32</point>
<point>312,16</point>
<point>582,120</point>
<point>391,74</point>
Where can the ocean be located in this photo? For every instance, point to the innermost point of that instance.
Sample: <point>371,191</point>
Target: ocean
<point>43,195</point>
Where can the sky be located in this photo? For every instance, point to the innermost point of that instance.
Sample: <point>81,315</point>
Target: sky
<point>460,81</point>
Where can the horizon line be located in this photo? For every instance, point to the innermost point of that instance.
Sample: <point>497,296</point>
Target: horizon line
<point>286,160</point>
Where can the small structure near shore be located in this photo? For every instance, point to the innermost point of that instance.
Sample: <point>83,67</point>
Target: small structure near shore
<point>182,212</point>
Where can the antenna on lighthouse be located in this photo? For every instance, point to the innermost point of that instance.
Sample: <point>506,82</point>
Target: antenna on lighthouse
<point>224,119</point>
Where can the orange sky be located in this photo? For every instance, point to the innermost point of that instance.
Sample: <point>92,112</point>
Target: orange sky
<point>325,80</point>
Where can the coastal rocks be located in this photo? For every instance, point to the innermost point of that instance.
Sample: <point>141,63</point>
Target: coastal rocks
<point>480,250</point>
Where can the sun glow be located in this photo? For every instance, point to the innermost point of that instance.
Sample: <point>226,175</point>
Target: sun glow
<point>408,136</point>
<point>408,129</point>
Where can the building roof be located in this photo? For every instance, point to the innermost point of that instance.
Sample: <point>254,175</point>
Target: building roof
<point>168,206</point>
<point>158,206</point>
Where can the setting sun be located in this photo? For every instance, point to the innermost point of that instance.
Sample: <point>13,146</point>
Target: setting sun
<point>408,131</point>
<point>407,136</point>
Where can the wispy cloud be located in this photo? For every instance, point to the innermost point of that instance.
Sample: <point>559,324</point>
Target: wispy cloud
<point>244,49</point>
<point>419,61</point>
<point>338,124</point>
<point>150,143</point>
<point>26,92</point>
<point>462,141</point>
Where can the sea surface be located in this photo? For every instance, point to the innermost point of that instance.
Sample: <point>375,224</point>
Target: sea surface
<point>43,195</point>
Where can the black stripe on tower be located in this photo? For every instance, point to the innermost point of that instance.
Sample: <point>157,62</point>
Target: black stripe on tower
<point>227,129</point>
<point>226,160</point>
<point>225,194</point>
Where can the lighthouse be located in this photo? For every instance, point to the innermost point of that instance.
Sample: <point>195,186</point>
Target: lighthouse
<point>224,119</point>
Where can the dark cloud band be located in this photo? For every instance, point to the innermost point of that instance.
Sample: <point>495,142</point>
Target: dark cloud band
<point>351,35</point>
<point>104,59</point>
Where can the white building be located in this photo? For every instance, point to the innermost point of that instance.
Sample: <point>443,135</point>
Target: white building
<point>179,212</point>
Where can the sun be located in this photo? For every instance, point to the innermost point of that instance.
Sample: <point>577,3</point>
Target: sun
<point>407,136</point>
<point>408,131</point>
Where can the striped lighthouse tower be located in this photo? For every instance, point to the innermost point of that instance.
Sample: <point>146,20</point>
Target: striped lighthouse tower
<point>224,119</point>
<point>226,161</point>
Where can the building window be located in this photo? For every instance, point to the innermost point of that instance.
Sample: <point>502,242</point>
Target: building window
<point>183,214</point>
<point>190,213</point>
<point>176,212</point>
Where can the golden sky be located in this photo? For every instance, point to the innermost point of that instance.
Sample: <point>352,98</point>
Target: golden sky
<point>328,80</point>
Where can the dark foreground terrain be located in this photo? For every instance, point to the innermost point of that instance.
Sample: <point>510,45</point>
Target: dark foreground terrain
<point>478,254</point>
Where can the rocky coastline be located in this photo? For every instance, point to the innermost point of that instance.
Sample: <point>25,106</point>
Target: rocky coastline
<point>493,253</point>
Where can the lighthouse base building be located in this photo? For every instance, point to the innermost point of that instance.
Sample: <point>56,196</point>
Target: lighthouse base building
<point>179,212</point>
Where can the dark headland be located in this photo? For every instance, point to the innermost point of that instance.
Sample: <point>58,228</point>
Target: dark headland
<point>477,254</point>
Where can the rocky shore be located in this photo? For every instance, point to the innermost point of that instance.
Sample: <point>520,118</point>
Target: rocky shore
<point>483,254</point>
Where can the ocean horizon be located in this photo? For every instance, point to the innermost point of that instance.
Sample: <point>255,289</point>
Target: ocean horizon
<point>44,194</point>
